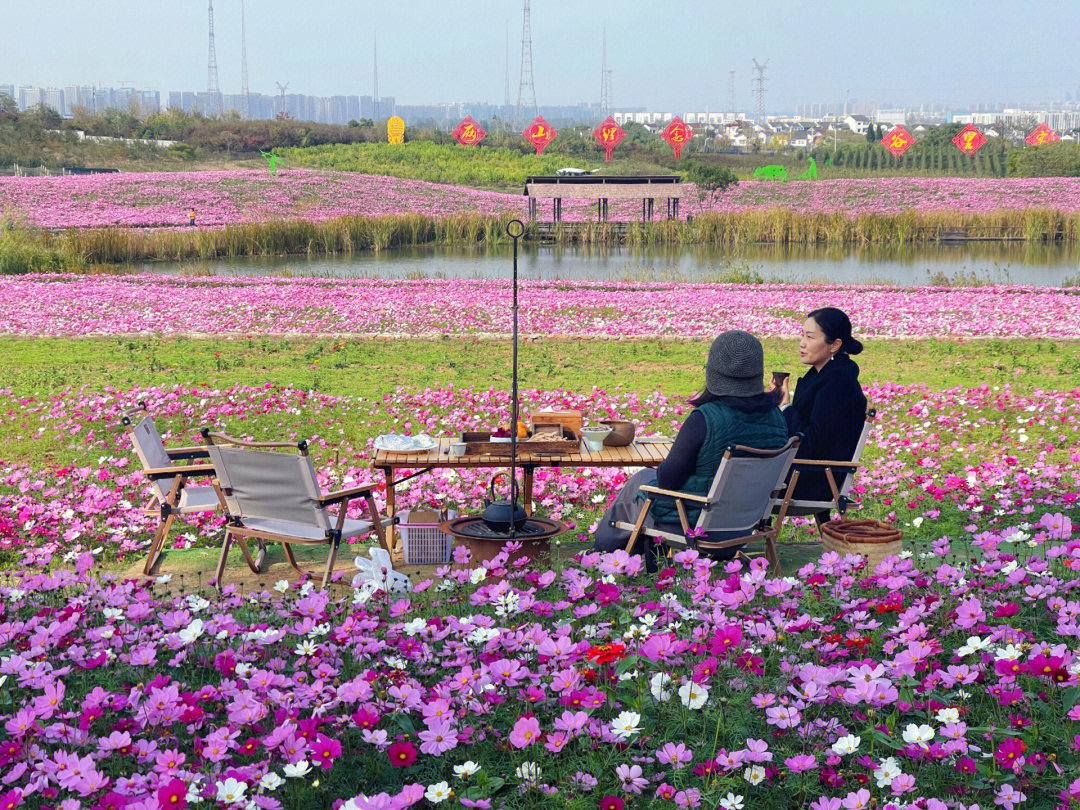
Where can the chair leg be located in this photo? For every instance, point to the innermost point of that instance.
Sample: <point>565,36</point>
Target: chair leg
<point>247,555</point>
<point>157,544</point>
<point>224,556</point>
<point>330,565</point>
<point>292,559</point>
<point>638,524</point>
<point>771,554</point>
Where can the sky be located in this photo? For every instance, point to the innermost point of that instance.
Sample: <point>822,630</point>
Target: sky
<point>673,56</point>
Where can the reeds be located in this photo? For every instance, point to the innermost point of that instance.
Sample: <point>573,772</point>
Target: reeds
<point>26,251</point>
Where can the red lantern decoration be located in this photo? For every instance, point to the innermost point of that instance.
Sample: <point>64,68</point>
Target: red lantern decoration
<point>539,133</point>
<point>1040,135</point>
<point>468,132</point>
<point>677,134</point>
<point>609,135</point>
<point>898,140</point>
<point>969,140</point>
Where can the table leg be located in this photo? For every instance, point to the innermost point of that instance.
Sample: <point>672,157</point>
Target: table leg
<point>391,533</point>
<point>527,486</point>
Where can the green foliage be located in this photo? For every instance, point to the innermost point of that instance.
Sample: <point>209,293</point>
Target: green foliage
<point>479,166</point>
<point>1049,160</point>
<point>710,177</point>
<point>185,151</point>
<point>22,251</point>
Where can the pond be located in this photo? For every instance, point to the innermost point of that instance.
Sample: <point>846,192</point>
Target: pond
<point>958,263</point>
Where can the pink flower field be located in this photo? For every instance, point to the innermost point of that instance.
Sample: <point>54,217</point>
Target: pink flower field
<point>51,304</point>
<point>948,678</point>
<point>162,199</point>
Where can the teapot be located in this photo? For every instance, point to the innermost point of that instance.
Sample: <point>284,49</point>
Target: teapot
<point>497,514</point>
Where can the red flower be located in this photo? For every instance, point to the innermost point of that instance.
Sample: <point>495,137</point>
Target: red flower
<point>402,754</point>
<point>611,803</point>
<point>606,653</point>
<point>172,796</point>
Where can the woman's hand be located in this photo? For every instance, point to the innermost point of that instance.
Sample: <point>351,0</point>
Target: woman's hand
<point>785,397</point>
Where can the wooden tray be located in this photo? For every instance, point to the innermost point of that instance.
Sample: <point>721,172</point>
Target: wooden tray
<point>479,443</point>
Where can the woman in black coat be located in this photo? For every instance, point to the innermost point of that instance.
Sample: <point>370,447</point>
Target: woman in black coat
<point>829,407</point>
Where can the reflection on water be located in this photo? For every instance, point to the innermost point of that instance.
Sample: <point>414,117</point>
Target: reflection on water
<point>967,263</point>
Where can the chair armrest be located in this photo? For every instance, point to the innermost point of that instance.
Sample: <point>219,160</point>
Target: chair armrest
<point>799,462</point>
<point>189,470</point>
<point>683,496</point>
<point>187,452</point>
<point>214,437</point>
<point>346,494</point>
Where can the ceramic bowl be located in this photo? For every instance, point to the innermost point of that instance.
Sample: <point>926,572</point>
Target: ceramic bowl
<point>622,433</point>
<point>594,436</point>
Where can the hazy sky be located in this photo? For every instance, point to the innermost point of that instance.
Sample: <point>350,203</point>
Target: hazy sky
<point>669,56</point>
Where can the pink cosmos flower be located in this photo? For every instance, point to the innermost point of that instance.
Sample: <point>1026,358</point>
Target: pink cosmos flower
<point>526,731</point>
<point>438,738</point>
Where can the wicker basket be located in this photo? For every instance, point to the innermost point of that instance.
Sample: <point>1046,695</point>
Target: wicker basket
<point>871,538</point>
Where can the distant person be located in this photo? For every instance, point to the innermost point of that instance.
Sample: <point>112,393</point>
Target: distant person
<point>191,217</point>
<point>829,407</point>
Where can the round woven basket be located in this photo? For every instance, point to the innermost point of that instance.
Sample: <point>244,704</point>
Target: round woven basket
<point>871,538</point>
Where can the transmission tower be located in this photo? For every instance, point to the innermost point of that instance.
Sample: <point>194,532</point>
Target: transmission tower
<point>759,87</point>
<point>506,98</point>
<point>731,91</point>
<point>605,80</point>
<point>212,88</point>
<point>281,93</point>
<point>375,52</point>
<point>244,100</point>
<point>526,90</point>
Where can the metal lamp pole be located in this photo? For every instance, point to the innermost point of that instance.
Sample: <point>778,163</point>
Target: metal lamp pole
<point>514,228</point>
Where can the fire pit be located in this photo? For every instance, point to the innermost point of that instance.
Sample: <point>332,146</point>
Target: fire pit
<point>485,542</point>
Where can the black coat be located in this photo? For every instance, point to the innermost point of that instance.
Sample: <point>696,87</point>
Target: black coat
<point>829,409</point>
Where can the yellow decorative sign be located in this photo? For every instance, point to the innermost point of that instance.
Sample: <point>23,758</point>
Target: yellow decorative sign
<point>395,130</point>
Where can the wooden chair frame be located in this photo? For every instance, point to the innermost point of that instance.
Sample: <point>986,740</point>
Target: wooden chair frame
<point>236,531</point>
<point>168,508</point>
<point>840,502</point>
<point>764,530</point>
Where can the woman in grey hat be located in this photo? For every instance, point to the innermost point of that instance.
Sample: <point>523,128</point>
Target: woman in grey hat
<point>732,409</point>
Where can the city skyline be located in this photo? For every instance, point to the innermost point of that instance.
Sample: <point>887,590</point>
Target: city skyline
<point>846,52</point>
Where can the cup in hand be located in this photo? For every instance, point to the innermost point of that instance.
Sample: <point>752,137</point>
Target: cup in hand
<point>778,378</point>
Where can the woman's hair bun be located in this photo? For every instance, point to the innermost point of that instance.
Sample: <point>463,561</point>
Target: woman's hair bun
<point>852,346</point>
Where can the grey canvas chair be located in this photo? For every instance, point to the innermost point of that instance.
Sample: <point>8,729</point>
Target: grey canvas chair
<point>171,494</point>
<point>272,496</point>
<point>738,507</point>
<point>846,468</point>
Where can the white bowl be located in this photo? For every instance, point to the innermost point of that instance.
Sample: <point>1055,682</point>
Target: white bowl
<point>594,437</point>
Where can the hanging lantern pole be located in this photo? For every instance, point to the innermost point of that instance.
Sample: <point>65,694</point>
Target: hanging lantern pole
<point>514,228</point>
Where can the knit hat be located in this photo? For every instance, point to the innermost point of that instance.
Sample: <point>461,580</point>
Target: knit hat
<point>736,366</point>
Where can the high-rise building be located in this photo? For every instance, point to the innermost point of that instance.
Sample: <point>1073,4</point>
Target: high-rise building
<point>8,90</point>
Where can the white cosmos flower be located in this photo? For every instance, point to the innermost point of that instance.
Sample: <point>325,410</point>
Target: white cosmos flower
<point>466,769</point>
<point>191,632</point>
<point>625,725</point>
<point>230,791</point>
<point>846,745</point>
<point>281,585</point>
<point>948,715</point>
<point>1009,652</point>
<point>692,695</point>
<point>918,735</point>
<point>974,644</point>
<point>528,772</point>
<point>417,625</point>
<point>660,686</point>
<point>271,781</point>
<point>478,575</point>
<point>297,769</point>
<point>437,793</point>
<point>732,802</point>
<point>886,772</point>
<point>305,647</point>
<point>755,774</point>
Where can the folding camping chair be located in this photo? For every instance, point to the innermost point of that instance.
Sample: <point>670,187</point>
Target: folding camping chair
<point>738,507</point>
<point>171,494</point>
<point>840,501</point>
<point>274,497</point>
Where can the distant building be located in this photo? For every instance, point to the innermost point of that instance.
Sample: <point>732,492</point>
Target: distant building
<point>8,90</point>
<point>891,118</point>
<point>857,124</point>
